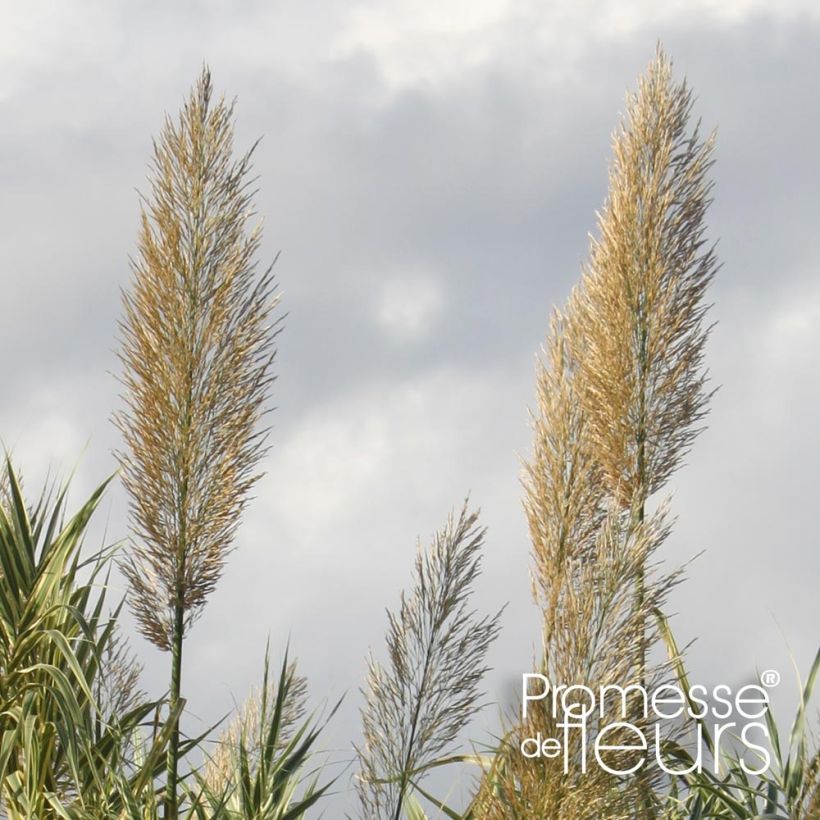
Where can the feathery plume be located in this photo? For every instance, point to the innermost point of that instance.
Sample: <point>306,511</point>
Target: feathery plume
<point>619,400</point>
<point>250,727</point>
<point>416,705</point>
<point>596,626</point>
<point>638,327</point>
<point>564,492</point>
<point>117,686</point>
<point>587,557</point>
<point>197,348</point>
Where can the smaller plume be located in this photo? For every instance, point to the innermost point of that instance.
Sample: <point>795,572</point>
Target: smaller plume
<point>418,702</point>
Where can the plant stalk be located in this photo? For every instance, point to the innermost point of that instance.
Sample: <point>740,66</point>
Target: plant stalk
<point>171,778</point>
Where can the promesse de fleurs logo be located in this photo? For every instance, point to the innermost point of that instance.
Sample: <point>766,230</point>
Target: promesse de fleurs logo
<point>622,728</point>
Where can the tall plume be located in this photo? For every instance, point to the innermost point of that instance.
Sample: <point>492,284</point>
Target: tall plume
<point>196,351</point>
<point>587,558</point>
<point>620,398</point>
<point>639,326</point>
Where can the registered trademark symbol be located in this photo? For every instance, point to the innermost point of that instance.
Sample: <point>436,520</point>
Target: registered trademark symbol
<point>771,677</point>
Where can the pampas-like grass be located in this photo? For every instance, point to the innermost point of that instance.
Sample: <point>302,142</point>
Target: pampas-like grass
<point>249,727</point>
<point>588,555</point>
<point>117,686</point>
<point>620,396</point>
<point>260,772</point>
<point>197,349</point>
<point>418,702</point>
<point>638,320</point>
<point>638,324</point>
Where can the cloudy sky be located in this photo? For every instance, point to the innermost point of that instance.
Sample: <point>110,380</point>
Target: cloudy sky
<point>430,171</point>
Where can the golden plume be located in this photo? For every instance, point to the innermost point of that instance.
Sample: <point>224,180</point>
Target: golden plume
<point>196,352</point>
<point>638,326</point>
<point>620,396</point>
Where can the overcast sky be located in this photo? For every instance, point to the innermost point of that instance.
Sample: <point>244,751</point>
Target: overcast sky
<point>430,171</point>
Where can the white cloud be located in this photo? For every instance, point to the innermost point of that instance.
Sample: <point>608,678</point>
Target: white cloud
<point>793,334</point>
<point>57,429</point>
<point>48,440</point>
<point>418,439</point>
<point>40,34</point>
<point>782,377</point>
<point>408,306</point>
<point>422,42</point>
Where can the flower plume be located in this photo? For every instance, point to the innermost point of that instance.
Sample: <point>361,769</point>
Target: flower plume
<point>197,348</point>
<point>416,705</point>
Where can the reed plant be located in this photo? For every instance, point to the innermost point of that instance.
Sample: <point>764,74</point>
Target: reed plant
<point>788,790</point>
<point>63,751</point>
<point>621,392</point>
<point>197,345</point>
<point>248,732</point>
<point>78,738</point>
<point>418,702</point>
<point>637,321</point>
<point>260,768</point>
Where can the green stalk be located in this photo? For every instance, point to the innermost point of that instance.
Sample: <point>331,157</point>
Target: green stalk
<point>178,636</point>
<point>642,488</point>
<point>638,520</point>
<point>172,765</point>
<point>405,774</point>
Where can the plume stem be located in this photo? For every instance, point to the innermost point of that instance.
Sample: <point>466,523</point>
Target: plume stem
<point>406,769</point>
<point>172,764</point>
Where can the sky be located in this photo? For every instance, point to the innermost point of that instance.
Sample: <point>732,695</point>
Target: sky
<point>430,172</point>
